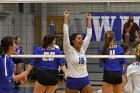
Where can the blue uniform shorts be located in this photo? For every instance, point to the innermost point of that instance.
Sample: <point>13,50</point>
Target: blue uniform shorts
<point>77,83</point>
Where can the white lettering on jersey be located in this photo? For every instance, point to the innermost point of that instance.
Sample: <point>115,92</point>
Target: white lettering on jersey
<point>48,59</point>
<point>112,52</point>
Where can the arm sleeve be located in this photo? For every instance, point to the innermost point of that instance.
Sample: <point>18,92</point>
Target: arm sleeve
<point>121,52</point>
<point>66,41</point>
<point>87,39</point>
<point>4,72</point>
<point>22,52</point>
<point>122,69</point>
<point>101,64</point>
<point>129,85</point>
<point>122,60</point>
<point>33,60</point>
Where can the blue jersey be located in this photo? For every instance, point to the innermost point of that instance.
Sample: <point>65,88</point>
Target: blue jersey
<point>6,72</point>
<point>47,63</point>
<point>113,64</point>
<point>19,49</point>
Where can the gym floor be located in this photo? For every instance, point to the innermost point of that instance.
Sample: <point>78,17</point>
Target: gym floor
<point>29,86</point>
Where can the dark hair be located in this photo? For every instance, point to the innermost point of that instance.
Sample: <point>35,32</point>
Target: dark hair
<point>5,43</point>
<point>15,38</point>
<point>47,40</point>
<point>137,50</point>
<point>72,37</point>
<point>130,20</point>
<point>109,36</point>
<point>125,47</point>
<point>1,50</point>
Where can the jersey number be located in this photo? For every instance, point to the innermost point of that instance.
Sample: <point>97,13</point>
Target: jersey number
<point>112,52</point>
<point>81,60</point>
<point>48,59</point>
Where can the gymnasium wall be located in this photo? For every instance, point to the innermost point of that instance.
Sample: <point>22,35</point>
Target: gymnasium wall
<point>22,23</point>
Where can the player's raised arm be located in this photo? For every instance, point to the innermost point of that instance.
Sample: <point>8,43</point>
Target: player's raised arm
<point>66,17</point>
<point>89,32</point>
<point>88,16</point>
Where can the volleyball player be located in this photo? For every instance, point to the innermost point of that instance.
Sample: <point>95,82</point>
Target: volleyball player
<point>112,77</point>
<point>74,49</point>
<point>18,61</point>
<point>133,74</point>
<point>126,49</point>
<point>18,51</point>
<point>7,76</point>
<point>47,68</point>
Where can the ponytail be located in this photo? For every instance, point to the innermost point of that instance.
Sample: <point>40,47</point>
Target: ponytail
<point>104,50</point>
<point>109,36</point>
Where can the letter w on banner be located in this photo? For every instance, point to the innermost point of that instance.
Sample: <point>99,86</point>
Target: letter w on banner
<point>102,22</point>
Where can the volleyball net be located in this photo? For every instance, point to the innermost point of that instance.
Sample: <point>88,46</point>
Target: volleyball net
<point>63,56</point>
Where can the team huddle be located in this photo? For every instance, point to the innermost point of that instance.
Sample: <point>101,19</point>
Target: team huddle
<point>115,78</point>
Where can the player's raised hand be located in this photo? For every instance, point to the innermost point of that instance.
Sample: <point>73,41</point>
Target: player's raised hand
<point>66,16</point>
<point>88,15</point>
<point>66,13</point>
